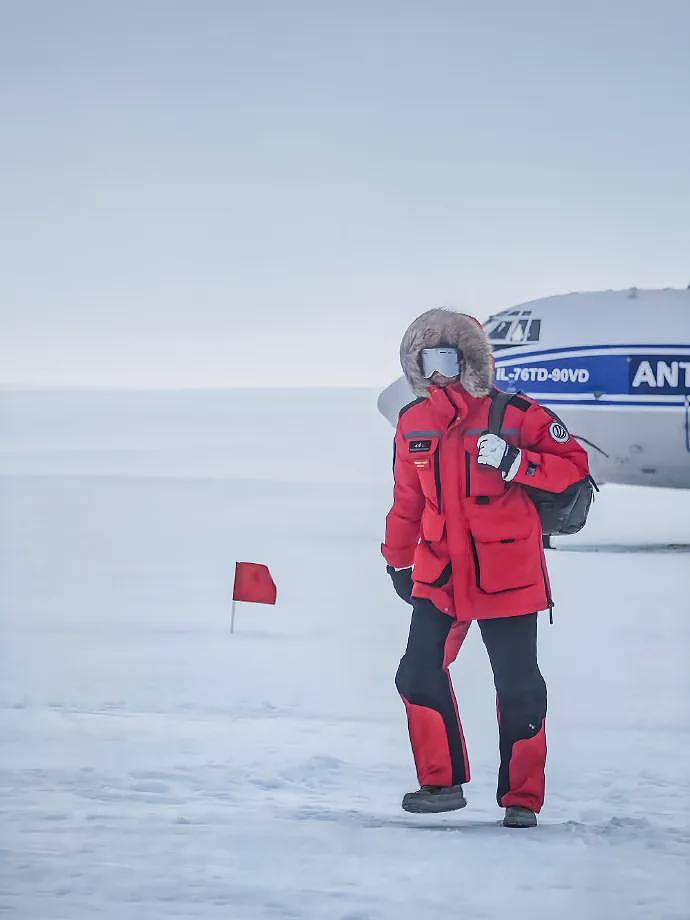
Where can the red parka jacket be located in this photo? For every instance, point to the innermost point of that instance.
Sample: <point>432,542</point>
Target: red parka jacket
<point>475,540</point>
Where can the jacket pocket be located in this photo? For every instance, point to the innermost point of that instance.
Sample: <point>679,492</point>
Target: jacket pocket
<point>507,563</point>
<point>433,524</point>
<point>430,568</point>
<point>479,479</point>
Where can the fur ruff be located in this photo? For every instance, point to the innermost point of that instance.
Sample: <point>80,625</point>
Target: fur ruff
<point>442,326</point>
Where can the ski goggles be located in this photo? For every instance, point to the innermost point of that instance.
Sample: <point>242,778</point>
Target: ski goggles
<point>445,360</point>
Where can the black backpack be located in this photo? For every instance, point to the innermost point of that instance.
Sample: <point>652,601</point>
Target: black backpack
<point>560,512</point>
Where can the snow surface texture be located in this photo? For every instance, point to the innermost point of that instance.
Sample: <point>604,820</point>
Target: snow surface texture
<point>153,766</point>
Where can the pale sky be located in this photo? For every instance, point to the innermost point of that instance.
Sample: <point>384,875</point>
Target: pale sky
<point>262,192</point>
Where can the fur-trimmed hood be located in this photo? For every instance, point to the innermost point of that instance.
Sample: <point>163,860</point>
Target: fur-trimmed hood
<point>442,326</point>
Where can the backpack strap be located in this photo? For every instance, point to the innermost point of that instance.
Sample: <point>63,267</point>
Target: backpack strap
<point>499,404</point>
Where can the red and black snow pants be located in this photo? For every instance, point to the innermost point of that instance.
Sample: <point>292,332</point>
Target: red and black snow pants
<point>436,735</point>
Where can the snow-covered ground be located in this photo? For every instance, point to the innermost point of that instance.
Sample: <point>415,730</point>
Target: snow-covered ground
<point>153,766</point>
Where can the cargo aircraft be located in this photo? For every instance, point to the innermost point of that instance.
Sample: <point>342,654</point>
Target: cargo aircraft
<point>613,365</point>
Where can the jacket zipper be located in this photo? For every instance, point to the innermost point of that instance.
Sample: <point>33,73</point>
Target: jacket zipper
<point>467,474</point>
<point>475,559</point>
<point>437,460</point>
<point>437,475</point>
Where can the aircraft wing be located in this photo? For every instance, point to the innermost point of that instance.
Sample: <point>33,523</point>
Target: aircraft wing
<point>393,398</point>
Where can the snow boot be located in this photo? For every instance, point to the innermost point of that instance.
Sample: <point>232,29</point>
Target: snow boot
<point>517,816</point>
<point>430,799</point>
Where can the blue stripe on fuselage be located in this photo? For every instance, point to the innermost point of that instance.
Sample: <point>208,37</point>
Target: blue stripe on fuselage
<point>643,373</point>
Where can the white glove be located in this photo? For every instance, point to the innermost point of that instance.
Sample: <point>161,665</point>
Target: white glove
<point>492,450</point>
<point>495,452</point>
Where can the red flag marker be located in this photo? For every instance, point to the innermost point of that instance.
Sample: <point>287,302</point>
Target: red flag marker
<point>253,583</point>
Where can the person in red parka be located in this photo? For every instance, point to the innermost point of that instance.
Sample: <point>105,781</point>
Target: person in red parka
<point>464,542</point>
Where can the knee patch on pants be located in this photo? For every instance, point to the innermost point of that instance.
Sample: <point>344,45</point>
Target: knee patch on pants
<point>524,704</point>
<point>420,684</point>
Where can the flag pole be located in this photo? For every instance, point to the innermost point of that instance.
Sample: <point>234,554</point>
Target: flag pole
<point>232,616</point>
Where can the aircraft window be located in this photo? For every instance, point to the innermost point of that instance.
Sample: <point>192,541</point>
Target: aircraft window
<point>534,330</point>
<point>518,333</point>
<point>501,330</point>
<point>514,326</point>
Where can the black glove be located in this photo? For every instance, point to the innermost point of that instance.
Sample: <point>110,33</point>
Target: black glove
<point>402,582</point>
